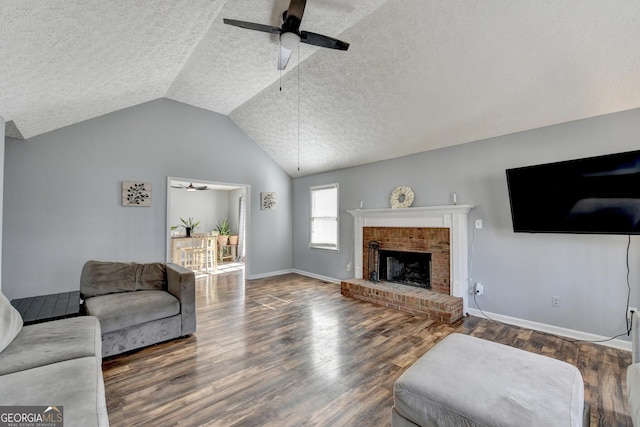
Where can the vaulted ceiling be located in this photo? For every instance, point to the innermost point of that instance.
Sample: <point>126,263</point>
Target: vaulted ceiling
<point>419,74</point>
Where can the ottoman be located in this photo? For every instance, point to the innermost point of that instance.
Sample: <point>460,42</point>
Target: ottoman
<point>467,381</point>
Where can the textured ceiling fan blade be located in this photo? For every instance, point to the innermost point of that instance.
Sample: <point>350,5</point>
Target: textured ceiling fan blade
<point>322,41</point>
<point>283,59</point>
<point>252,26</point>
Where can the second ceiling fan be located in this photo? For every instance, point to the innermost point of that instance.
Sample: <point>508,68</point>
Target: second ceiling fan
<point>190,187</point>
<point>290,34</point>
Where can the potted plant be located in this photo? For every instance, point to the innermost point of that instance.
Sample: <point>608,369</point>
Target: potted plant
<point>189,225</point>
<point>223,232</point>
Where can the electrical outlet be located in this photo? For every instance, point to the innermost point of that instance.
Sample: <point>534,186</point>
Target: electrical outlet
<point>555,301</point>
<point>349,267</point>
<point>630,312</point>
<point>479,289</point>
<point>478,224</point>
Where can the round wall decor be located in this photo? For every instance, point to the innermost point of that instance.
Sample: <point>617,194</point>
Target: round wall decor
<point>401,197</point>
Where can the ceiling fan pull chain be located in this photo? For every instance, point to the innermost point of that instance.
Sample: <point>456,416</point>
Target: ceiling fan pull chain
<point>280,72</point>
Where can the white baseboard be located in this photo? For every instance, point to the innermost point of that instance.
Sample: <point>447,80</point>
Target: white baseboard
<point>269,274</point>
<point>317,276</point>
<point>555,330</point>
<point>300,272</point>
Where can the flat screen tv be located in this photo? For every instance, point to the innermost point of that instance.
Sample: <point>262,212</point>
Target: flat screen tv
<point>592,195</point>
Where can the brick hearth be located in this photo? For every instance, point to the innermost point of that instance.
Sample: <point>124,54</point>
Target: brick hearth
<point>437,303</point>
<point>409,299</point>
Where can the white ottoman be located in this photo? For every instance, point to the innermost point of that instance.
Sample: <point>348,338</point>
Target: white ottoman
<point>467,381</point>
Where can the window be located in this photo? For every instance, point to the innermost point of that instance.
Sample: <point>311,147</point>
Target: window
<point>324,217</point>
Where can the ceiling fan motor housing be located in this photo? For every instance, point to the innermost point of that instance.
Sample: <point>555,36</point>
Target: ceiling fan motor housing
<point>290,34</point>
<point>291,24</point>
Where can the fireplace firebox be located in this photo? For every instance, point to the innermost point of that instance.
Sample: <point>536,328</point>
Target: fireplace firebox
<point>407,268</point>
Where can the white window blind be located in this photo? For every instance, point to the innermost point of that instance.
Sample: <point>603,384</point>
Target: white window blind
<point>324,217</point>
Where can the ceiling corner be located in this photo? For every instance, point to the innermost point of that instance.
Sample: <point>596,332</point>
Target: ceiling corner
<point>12,131</point>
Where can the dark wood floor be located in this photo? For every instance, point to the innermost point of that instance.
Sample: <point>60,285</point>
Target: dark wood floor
<point>291,351</point>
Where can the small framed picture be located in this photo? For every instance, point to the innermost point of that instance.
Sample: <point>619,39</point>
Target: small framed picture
<point>267,201</point>
<point>136,193</point>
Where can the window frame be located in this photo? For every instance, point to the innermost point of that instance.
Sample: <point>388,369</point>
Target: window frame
<point>337,217</point>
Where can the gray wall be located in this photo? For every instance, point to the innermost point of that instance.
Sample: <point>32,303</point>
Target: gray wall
<point>520,272</point>
<point>63,192</point>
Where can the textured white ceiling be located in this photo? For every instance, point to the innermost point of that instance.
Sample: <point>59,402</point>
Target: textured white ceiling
<point>419,75</point>
<point>62,62</point>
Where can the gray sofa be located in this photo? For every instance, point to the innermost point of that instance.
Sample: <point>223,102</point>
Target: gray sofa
<point>633,372</point>
<point>53,363</point>
<point>138,304</point>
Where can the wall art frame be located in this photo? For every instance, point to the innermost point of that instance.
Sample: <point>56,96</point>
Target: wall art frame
<point>267,201</point>
<point>136,194</point>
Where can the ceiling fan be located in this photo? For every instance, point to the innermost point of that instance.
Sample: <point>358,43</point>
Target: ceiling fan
<point>190,187</point>
<point>290,34</point>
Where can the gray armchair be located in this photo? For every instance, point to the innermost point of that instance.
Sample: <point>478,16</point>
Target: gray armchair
<point>138,304</point>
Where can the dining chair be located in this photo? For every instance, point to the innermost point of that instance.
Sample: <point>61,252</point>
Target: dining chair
<point>194,255</point>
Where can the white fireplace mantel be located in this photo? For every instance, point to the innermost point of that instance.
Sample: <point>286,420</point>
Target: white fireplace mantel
<point>453,217</point>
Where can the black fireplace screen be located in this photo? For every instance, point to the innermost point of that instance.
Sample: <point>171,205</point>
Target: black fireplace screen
<point>408,268</point>
<point>374,259</point>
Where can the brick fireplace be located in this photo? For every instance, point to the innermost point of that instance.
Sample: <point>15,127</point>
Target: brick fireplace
<point>441,232</point>
<point>429,240</point>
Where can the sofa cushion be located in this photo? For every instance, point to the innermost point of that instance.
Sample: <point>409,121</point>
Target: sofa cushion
<point>118,311</point>
<point>76,385</point>
<point>10,322</point>
<point>106,277</point>
<point>52,342</point>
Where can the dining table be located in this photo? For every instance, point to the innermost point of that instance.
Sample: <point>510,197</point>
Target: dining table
<point>182,245</point>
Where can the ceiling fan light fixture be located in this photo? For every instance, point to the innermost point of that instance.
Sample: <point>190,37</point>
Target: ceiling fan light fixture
<point>190,189</point>
<point>289,40</point>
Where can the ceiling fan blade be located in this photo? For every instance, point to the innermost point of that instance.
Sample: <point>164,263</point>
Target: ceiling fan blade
<point>322,41</point>
<point>283,59</point>
<point>296,8</point>
<point>252,26</point>
<point>204,187</point>
<point>293,16</point>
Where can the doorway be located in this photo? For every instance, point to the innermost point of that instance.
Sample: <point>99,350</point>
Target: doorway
<point>208,204</point>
